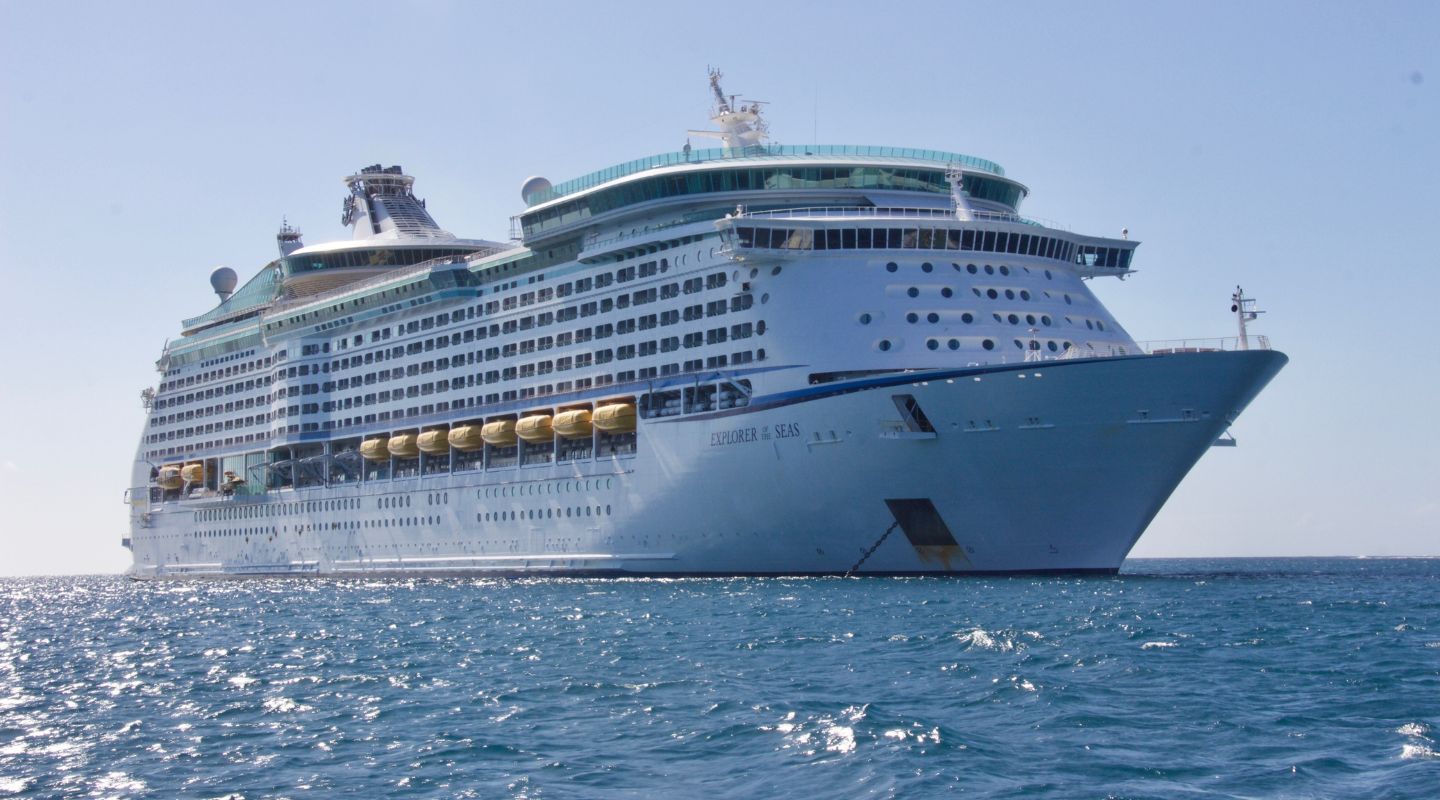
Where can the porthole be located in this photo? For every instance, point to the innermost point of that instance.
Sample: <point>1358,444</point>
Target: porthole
<point>1009,294</point>
<point>1030,319</point>
<point>1090,325</point>
<point>1048,276</point>
<point>988,344</point>
<point>760,354</point>
<point>992,294</point>
<point>775,271</point>
<point>989,270</point>
<point>971,268</point>
<point>933,344</point>
<point>1067,300</point>
<point>1019,345</point>
<point>927,267</point>
<point>975,292</point>
<point>954,344</point>
<point>891,267</point>
<point>754,273</point>
<point>932,318</point>
<point>1099,325</point>
<point>913,291</point>
<point>1051,344</point>
<point>947,292</point>
<point>957,267</point>
<point>764,298</point>
<point>884,345</point>
<point>1024,295</point>
<point>865,319</point>
<point>760,328</point>
<point>912,318</point>
<point>967,318</point>
<point>1045,320</point>
<point>1014,320</point>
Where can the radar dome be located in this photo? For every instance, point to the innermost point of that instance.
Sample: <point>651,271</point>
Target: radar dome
<point>223,281</point>
<point>533,185</point>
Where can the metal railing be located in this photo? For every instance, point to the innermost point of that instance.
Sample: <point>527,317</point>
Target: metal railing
<point>890,212</point>
<point>758,152</point>
<point>1211,345</point>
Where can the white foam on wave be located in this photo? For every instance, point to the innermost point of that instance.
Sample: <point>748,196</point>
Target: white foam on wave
<point>979,637</point>
<point>840,739</point>
<point>1158,645</point>
<point>1411,751</point>
<point>1412,729</point>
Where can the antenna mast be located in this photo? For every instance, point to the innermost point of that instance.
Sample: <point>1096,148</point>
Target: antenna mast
<point>1245,311</point>
<point>740,124</point>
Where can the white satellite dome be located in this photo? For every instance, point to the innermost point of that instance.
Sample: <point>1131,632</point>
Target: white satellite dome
<point>533,185</point>
<point>223,281</point>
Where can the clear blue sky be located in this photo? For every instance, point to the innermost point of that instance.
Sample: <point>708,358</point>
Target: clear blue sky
<point>1293,148</point>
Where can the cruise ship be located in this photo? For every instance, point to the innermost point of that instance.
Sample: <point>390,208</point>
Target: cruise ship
<point>748,359</point>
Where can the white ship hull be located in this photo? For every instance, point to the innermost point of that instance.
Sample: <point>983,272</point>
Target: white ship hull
<point>1053,466</point>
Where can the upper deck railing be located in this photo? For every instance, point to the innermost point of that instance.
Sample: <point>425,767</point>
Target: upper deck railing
<point>752,153</point>
<point>1222,344</point>
<point>895,212</point>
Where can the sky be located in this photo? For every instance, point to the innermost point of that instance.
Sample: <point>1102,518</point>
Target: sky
<point>1292,148</point>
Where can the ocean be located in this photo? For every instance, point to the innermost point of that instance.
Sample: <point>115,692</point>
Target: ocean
<point>1269,678</point>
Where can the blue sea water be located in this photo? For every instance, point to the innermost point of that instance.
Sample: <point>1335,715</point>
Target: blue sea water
<point>1225,678</point>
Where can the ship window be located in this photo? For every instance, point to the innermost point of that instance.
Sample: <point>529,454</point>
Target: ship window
<point>891,267</point>
<point>988,344</point>
<point>913,291</point>
<point>912,317</point>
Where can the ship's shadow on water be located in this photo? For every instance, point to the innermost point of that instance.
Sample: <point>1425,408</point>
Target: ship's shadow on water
<point>1225,678</point>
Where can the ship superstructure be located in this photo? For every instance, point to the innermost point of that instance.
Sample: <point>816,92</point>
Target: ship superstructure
<point>751,359</point>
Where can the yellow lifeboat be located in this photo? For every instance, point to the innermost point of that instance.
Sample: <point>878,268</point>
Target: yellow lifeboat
<point>403,446</point>
<point>169,478</point>
<point>193,473</point>
<point>500,433</point>
<point>535,428</point>
<point>434,443</point>
<point>573,424</point>
<point>466,438</point>
<point>374,450</point>
<point>615,418</point>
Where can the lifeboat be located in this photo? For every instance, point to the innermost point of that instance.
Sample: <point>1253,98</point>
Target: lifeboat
<point>500,433</point>
<point>403,446</point>
<point>535,428</point>
<point>434,443</point>
<point>374,450</point>
<point>573,424</point>
<point>193,473</point>
<point>169,478</point>
<point>466,438</point>
<point>615,418</point>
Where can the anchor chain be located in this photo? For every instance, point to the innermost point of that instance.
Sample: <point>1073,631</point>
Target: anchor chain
<point>874,547</point>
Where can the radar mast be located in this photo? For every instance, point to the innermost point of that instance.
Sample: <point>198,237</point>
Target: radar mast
<point>740,124</point>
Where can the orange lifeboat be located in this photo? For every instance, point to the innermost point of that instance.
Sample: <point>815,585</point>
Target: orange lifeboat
<point>466,438</point>
<point>615,418</point>
<point>500,433</point>
<point>535,428</point>
<point>403,445</point>
<point>573,424</point>
<point>434,443</point>
<point>374,450</point>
